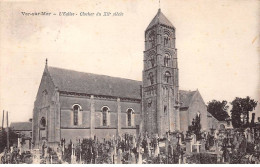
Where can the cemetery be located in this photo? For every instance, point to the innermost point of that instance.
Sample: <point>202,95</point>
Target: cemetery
<point>224,146</point>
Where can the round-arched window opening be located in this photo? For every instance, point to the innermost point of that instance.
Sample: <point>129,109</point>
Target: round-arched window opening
<point>167,59</point>
<point>43,122</point>
<point>129,117</point>
<point>105,116</point>
<point>167,76</point>
<point>76,109</point>
<point>151,77</point>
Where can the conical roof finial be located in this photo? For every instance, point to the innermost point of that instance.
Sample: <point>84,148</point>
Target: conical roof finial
<point>46,62</point>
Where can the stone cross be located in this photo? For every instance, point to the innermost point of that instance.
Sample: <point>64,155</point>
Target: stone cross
<point>198,146</point>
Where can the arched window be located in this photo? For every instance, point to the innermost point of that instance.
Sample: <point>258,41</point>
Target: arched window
<point>152,60</point>
<point>151,78</point>
<point>167,59</point>
<point>43,122</point>
<point>167,76</point>
<point>151,38</point>
<point>166,38</point>
<point>130,117</point>
<point>105,116</point>
<point>76,109</point>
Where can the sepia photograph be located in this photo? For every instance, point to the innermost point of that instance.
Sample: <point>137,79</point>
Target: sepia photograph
<point>130,82</point>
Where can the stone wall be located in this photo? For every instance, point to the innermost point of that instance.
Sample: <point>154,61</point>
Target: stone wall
<point>117,109</point>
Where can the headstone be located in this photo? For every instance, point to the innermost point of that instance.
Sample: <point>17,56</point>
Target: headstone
<point>73,158</point>
<point>194,141</point>
<point>119,156</point>
<point>140,159</point>
<point>250,137</point>
<point>134,142</point>
<point>167,144</point>
<point>180,160</point>
<point>184,159</point>
<point>59,152</point>
<point>45,152</point>
<point>219,155</point>
<point>132,158</point>
<point>36,156</point>
<point>226,157</point>
<point>188,145</point>
<point>203,145</point>
<point>197,145</point>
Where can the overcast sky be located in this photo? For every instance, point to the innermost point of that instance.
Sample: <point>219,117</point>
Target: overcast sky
<point>217,42</point>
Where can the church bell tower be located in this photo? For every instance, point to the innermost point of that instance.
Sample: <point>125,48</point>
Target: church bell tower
<point>160,89</point>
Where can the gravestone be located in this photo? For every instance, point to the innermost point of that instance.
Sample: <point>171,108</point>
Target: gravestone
<point>132,158</point>
<point>197,146</point>
<point>157,151</point>
<point>203,145</point>
<point>188,145</point>
<point>140,159</point>
<point>119,156</point>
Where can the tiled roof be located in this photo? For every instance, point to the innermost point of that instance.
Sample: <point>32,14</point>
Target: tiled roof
<point>159,18</point>
<point>186,97</point>
<point>80,82</point>
<point>21,126</point>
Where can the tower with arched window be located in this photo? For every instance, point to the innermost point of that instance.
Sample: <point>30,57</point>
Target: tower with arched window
<point>74,105</point>
<point>160,78</point>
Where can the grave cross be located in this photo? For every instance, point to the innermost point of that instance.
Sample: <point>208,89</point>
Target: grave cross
<point>198,146</point>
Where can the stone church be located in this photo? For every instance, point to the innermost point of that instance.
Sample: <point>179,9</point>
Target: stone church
<point>74,105</point>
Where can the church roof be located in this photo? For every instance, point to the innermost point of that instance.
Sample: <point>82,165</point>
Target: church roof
<point>159,18</point>
<point>81,82</point>
<point>186,97</point>
<point>21,126</point>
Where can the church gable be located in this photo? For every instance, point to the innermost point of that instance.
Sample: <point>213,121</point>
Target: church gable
<point>192,103</point>
<point>42,105</point>
<point>45,91</point>
<point>197,105</point>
